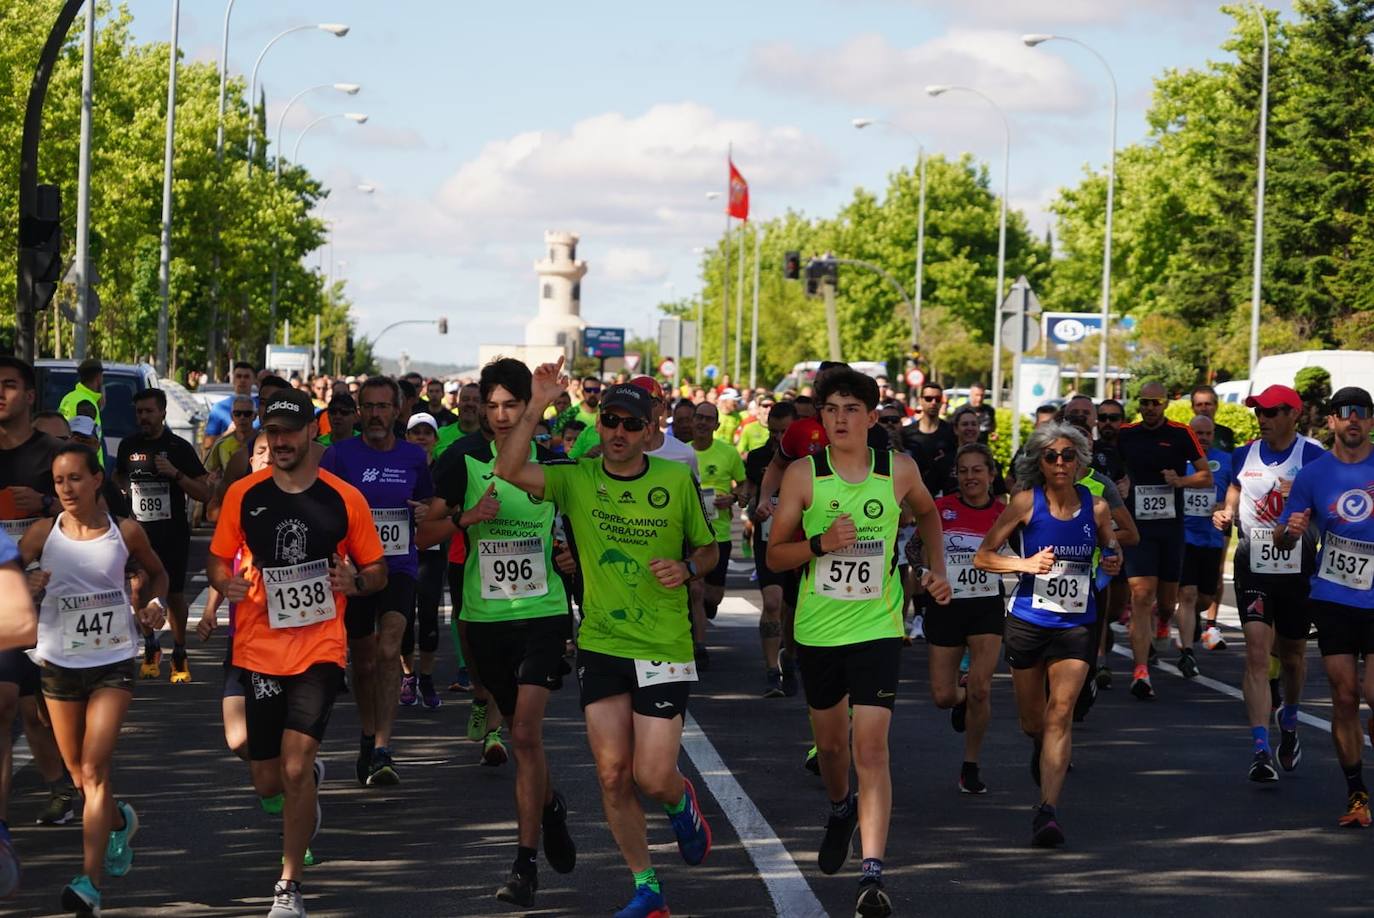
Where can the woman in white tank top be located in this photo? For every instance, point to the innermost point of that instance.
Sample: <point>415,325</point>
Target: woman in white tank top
<point>86,648</point>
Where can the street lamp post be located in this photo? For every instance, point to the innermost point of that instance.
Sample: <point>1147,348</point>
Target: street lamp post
<point>338,30</point>
<point>165,259</point>
<point>938,90</point>
<point>355,117</point>
<point>862,123</point>
<point>1031,41</point>
<point>724,293</point>
<point>1259,196</point>
<point>350,89</point>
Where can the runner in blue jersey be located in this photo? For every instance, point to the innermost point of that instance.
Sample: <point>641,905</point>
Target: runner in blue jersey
<point>1048,634</point>
<point>393,475</point>
<point>1335,497</point>
<point>1203,544</point>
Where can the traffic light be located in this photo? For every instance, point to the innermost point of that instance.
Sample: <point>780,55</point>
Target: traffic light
<point>443,325</point>
<point>40,244</point>
<point>820,269</point>
<point>791,265</point>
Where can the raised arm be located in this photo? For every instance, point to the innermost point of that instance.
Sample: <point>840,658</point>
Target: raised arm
<point>514,466</point>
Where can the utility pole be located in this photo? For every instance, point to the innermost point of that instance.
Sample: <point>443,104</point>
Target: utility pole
<point>83,191</point>
<point>832,319</point>
<point>165,261</point>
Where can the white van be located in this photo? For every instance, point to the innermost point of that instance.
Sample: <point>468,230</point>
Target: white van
<point>1347,368</point>
<point>804,373</point>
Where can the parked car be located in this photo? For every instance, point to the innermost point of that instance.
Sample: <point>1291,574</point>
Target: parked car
<point>122,381</point>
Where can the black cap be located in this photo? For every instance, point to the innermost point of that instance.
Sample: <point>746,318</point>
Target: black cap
<point>342,401</point>
<point>1351,395</point>
<point>291,407</point>
<point>630,398</point>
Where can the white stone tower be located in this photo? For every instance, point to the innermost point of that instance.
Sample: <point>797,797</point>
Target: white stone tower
<point>559,321</point>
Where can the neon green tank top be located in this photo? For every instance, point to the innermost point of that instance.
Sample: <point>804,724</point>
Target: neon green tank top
<point>854,595</point>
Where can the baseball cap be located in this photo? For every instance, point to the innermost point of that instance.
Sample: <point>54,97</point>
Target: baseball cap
<point>730,393</point>
<point>452,386</point>
<point>342,402</point>
<point>291,407</point>
<point>1273,397</point>
<point>649,385</point>
<point>804,437</point>
<point>629,398</point>
<point>1350,395</point>
<point>422,417</point>
<point>83,426</point>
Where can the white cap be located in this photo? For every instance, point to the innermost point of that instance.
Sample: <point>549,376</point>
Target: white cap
<point>730,393</point>
<point>83,426</point>
<point>422,417</point>
<point>351,380</point>
<point>452,386</point>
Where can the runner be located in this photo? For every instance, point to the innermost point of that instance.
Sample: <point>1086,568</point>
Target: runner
<point>848,499</point>
<point>722,474</point>
<point>18,628</point>
<point>393,476</point>
<point>779,590</point>
<point>158,470</point>
<point>417,685</point>
<point>890,418</point>
<point>1334,496</point>
<point>973,619</point>
<point>1271,581</point>
<point>1203,550</point>
<point>1049,638</point>
<point>966,430</point>
<point>1205,402</point>
<point>1157,453</point>
<point>516,614</point>
<point>312,544</point>
<point>630,515</point>
<point>86,650</point>
<point>221,419</point>
<point>930,440</point>
<point>1108,462</point>
<point>243,412</point>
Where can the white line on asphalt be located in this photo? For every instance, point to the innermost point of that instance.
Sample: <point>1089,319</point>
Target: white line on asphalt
<point>791,894</point>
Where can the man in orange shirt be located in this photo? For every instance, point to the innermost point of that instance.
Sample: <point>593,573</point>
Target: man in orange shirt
<point>308,544</point>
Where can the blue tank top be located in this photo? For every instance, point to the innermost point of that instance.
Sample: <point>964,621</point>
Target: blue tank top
<point>1062,598</point>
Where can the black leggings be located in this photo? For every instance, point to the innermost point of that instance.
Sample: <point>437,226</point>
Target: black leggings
<point>429,593</point>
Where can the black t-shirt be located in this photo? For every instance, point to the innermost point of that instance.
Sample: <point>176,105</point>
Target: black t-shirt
<point>29,465</point>
<point>757,462</point>
<point>933,452</point>
<point>1147,451</point>
<point>136,463</point>
<point>1107,460</point>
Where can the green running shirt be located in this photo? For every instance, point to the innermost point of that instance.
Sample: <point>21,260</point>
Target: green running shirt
<point>720,467</point>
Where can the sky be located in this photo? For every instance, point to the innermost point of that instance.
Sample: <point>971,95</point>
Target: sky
<point>491,123</point>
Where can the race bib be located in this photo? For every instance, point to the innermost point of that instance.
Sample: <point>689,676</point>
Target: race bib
<point>967,581</point>
<point>94,622</point>
<point>852,573</point>
<point>393,528</point>
<point>708,503</point>
<point>1198,501</point>
<point>1348,562</point>
<point>152,500</point>
<point>766,526</point>
<point>15,528</point>
<point>1064,590</point>
<point>299,595</point>
<point>512,569</point>
<point>1154,502</point>
<point>649,673</point>
<point>1268,558</point>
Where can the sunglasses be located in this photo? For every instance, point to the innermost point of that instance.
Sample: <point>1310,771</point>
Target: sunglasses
<point>543,438</point>
<point>591,390</point>
<point>1346,412</point>
<point>1150,402</point>
<point>889,420</point>
<point>1052,456</point>
<point>633,425</point>
<point>1110,418</point>
<point>244,414</point>
<point>1272,412</point>
<point>930,398</point>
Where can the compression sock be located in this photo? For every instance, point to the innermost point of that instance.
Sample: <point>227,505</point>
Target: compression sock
<point>178,653</point>
<point>843,808</point>
<point>525,861</point>
<point>872,869</point>
<point>1288,717</point>
<point>648,878</point>
<point>1261,738</point>
<point>150,647</point>
<point>272,805</point>
<point>1354,778</point>
<point>672,809</point>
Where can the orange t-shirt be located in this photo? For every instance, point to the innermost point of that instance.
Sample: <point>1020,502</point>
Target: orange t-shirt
<point>293,537</point>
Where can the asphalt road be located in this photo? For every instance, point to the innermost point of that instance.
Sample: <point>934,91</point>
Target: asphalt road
<point>1159,815</point>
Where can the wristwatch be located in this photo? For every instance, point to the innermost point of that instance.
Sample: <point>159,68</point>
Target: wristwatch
<point>816,548</point>
<point>358,584</point>
<point>691,570</point>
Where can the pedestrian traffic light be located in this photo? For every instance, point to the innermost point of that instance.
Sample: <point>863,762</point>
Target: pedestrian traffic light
<point>40,244</point>
<point>791,265</point>
<point>443,325</point>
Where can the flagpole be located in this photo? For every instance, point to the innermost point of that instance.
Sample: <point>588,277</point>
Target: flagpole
<point>725,277</point>
<point>739,301</point>
<point>754,333</point>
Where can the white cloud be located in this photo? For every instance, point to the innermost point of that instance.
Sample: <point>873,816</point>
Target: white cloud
<point>625,264</point>
<point>1044,14</point>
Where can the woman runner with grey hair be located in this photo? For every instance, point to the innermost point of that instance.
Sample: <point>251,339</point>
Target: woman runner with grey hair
<point>1048,634</point>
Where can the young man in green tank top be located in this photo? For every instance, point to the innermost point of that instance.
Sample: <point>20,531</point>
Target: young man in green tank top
<point>847,501</point>
<point>515,609</point>
<point>631,516</point>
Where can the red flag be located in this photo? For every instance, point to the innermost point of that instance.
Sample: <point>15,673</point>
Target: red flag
<point>739,193</point>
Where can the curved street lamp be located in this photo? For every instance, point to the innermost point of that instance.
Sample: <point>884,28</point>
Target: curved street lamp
<point>355,117</point>
<point>350,89</point>
<point>337,29</point>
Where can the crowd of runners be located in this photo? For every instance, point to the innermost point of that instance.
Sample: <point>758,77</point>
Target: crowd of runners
<point>589,539</point>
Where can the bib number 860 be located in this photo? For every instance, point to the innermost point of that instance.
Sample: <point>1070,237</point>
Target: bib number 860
<point>299,597</point>
<point>512,571</point>
<point>389,533</point>
<point>849,572</point>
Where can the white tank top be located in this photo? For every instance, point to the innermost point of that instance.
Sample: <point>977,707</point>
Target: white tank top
<point>85,619</point>
<point>1261,502</point>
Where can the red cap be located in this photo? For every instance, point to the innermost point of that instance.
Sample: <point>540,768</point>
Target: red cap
<point>649,385</point>
<point>804,437</point>
<point>1273,397</point>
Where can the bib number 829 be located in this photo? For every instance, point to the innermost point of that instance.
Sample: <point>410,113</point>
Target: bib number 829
<point>849,571</point>
<point>512,571</point>
<point>298,597</point>
<point>1153,504</point>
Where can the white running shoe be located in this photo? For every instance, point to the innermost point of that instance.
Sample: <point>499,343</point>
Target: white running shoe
<point>917,631</point>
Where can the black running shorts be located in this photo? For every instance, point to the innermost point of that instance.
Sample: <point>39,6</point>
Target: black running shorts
<point>1277,601</point>
<point>1028,644</point>
<point>867,672</point>
<point>601,676</point>
<point>1158,554</point>
<point>952,624</point>
<point>364,612</point>
<point>716,576</point>
<point>275,704</point>
<point>1342,629</point>
<point>524,652</point>
<point>16,667</point>
<point>1201,569</point>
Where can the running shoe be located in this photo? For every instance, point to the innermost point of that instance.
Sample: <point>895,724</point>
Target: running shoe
<point>917,631</point>
<point>1212,638</point>
<point>873,902</point>
<point>645,904</point>
<point>477,721</point>
<point>362,767</point>
<point>1104,677</point>
<point>1187,665</point>
<point>428,696</point>
<point>839,838</point>
<point>1290,749</point>
<point>971,783</point>
<point>58,811</point>
<point>9,865</point>
<point>493,750</point>
<point>1045,829</point>
<point>691,828</point>
<point>702,657</point>
<point>1161,641</point>
<point>964,665</point>
<point>958,716</point>
<point>181,671</point>
<point>80,897</point>
<point>119,852</point>
<point>1142,689</point>
<point>461,682</point>
<point>409,696</point>
<point>812,762</point>
<point>559,849</point>
<point>1357,812</point>
<point>773,684</point>
<point>519,889</point>
<point>319,812</point>
<point>383,771</point>
<point>150,667</point>
<point>287,901</point>
<point>1262,768</point>
<point>1275,696</point>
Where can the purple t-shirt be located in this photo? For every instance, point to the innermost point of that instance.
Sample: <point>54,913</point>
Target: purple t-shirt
<point>387,480</point>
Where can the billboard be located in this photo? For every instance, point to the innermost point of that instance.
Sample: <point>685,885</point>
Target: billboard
<point>1065,328</point>
<point>603,342</point>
